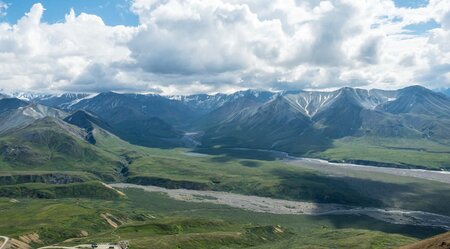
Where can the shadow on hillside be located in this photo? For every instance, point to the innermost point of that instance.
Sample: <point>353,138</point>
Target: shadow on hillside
<point>250,164</point>
<point>228,154</point>
<point>265,147</point>
<point>319,188</point>
<point>368,223</point>
<point>245,163</point>
<point>221,159</point>
<point>420,196</point>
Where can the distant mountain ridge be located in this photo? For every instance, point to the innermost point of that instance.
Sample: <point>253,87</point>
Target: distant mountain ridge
<point>303,122</point>
<point>297,122</point>
<point>202,99</point>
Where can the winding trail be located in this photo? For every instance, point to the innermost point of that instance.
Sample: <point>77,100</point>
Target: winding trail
<point>5,242</point>
<point>278,206</point>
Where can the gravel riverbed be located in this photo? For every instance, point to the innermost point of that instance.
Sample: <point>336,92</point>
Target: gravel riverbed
<point>278,206</point>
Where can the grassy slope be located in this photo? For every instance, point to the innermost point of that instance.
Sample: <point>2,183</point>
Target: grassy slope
<point>92,189</point>
<point>53,220</point>
<point>18,177</point>
<point>412,152</point>
<point>153,220</point>
<point>46,146</point>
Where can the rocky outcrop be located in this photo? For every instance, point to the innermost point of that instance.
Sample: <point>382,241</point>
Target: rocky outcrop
<point>13,153</point>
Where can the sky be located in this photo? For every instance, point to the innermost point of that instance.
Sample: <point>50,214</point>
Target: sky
<point>208,46</point>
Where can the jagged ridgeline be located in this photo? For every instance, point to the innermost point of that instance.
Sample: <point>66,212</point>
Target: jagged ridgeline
<point>320,124</point>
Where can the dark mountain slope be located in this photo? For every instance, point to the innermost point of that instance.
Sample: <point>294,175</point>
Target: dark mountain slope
<point>231,107</point>
<point>297,122</point>
<point>205,104</point>
<point>309,121</point>
<point>151,132</point>
<point>419,100</point>
<point>87,122</point>
<point>140,119</point>
<point>7,104</point>
<point>381,124</point>
<point>342,117</point>
<point>275,125</point>
<point>114,107</point>
<point>422,110</point>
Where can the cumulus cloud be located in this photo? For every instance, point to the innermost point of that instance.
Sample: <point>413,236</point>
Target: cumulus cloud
<point>38,55</point>
<point>186,46</point>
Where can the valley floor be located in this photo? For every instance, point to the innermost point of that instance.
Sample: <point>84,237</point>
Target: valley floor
<point>277,206</point>
<point>244,200</point>
<point>153,220</point>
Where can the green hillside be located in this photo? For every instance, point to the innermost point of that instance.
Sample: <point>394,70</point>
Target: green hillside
<point>93,190</point>
<point>52,145</point>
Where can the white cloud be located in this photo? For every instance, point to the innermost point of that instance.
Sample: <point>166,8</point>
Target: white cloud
<point>185,46</point>
<point>40,56</point>
<point>3,9</point>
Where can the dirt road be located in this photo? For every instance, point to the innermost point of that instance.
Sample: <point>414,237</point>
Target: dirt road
<point>5,242</point>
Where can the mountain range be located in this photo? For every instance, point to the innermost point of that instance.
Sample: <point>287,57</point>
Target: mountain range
<point>298,122</point>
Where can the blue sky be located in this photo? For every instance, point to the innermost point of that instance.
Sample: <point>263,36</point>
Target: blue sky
<point>113,12</point>
<point>421,28</point>
<point>411,3</point>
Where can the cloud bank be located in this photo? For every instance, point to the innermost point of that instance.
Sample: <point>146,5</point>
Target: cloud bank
<point>189,46</point>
